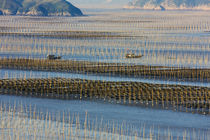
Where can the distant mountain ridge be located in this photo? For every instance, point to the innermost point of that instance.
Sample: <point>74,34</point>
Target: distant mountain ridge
<point>38,8</point>
<point>169,4</point>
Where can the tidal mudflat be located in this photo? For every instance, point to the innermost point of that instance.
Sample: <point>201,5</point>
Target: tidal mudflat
<point>95,91</point>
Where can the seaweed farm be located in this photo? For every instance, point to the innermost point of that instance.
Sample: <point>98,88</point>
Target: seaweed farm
<point>110,75</point>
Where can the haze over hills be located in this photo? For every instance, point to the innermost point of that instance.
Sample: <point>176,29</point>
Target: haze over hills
<point>38,8</point>
<point>169,4</point>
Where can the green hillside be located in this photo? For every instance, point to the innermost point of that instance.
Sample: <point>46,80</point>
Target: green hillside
<point>10,5</point>
<point>176,4</point>
<point>38,7</point>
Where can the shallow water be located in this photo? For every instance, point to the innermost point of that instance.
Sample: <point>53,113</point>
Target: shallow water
<point>133,117</point>
<point>168,39</point>
<point>155,57</point>
<point>179,39</point>
<point>24,74</point>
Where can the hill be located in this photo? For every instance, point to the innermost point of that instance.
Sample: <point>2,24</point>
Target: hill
<point>169,4</point>
<point>38,8</point>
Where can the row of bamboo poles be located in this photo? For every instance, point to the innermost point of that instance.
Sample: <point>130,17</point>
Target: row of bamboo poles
<point>38,125</point>
<point>112,69</point>
<point>180,98</point>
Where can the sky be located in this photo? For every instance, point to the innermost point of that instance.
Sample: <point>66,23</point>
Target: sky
<point>99,3</point>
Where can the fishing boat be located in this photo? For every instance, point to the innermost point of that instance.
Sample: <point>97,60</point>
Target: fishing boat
<point>131,55</point>
<point>53,57</point>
